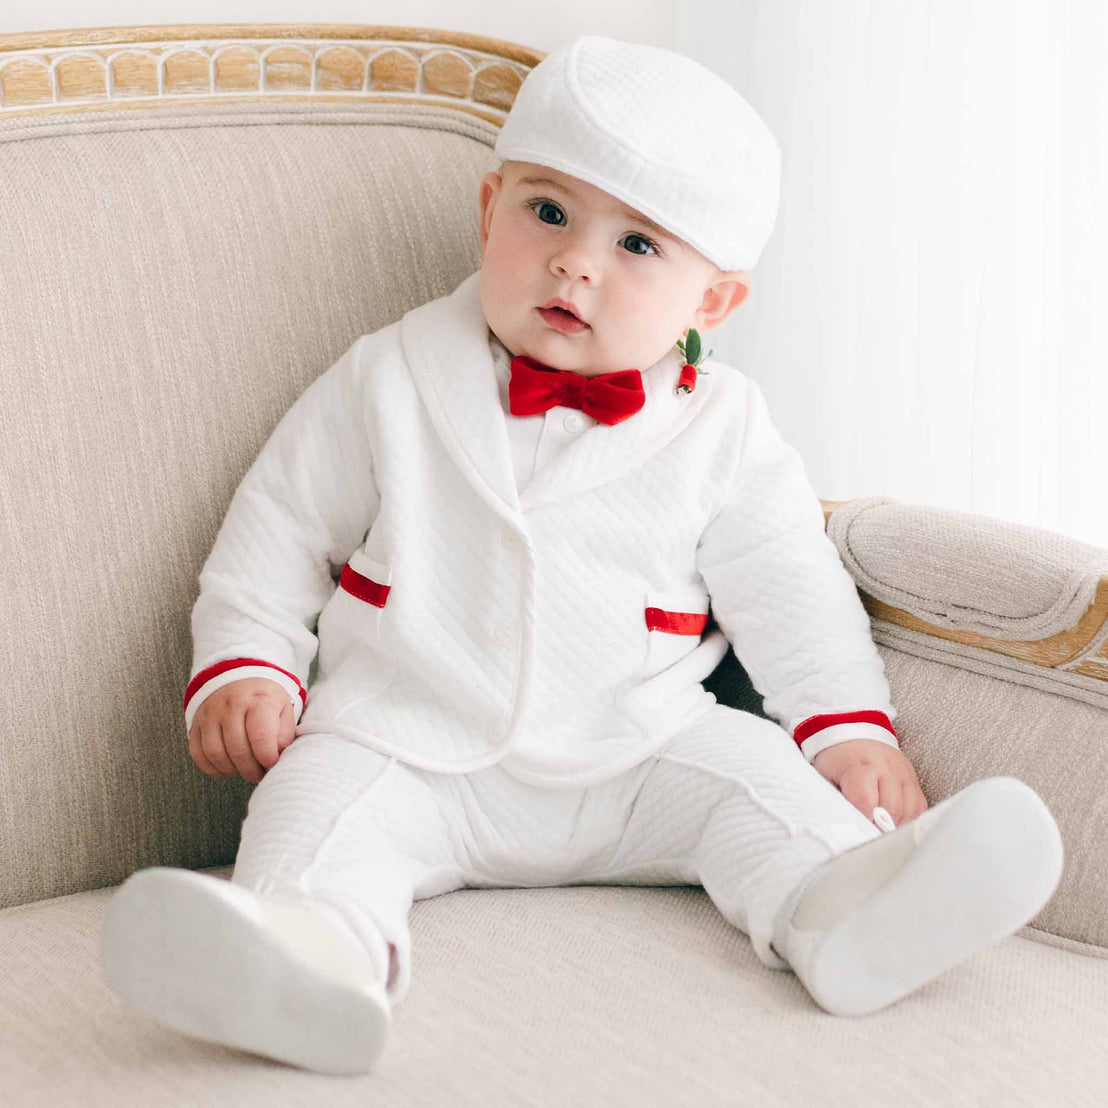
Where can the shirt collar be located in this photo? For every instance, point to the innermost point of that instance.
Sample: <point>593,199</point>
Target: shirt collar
<point>502,363</point>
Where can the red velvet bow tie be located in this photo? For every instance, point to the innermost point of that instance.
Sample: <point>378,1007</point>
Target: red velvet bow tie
<point>608,398</point>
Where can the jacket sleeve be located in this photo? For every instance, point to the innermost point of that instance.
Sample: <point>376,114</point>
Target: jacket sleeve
<point>785,601</point>
<point>304,504</point>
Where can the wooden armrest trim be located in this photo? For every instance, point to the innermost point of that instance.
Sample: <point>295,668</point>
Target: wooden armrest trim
<point>1082,649</point>
<point>90,69</point>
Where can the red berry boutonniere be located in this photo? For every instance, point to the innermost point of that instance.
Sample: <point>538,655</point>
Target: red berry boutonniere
<point>690,351</point>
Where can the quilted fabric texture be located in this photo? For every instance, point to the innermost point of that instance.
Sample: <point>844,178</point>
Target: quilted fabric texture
<point>515,625</point>
<point>728,803</point>
<point>633,119</point>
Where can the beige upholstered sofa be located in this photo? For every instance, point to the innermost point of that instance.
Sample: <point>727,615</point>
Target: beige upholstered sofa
<point>197,221</point>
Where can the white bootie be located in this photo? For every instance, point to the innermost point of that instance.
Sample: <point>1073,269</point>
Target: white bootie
<point>212,959</point>
<point>884,917</point>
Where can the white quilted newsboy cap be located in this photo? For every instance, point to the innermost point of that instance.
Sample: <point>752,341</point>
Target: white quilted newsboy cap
<point>660,132</point>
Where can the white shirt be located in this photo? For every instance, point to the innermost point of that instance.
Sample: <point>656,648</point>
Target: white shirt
<point>534,440</point>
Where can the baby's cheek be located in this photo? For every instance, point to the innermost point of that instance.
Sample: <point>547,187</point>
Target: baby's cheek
<point>505,253</point>
<point>502,270</point>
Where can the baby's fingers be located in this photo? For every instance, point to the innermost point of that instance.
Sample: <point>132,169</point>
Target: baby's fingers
<point>892,797</point>
<point>211,746</point>
<point>238,748</point>
<point>196,751</point>
<point>264,729</point>
<point>859,785</point>
<point>286,732</point>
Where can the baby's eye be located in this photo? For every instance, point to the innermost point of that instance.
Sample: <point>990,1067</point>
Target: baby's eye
<point>538,206</point>
<point>652,248</point>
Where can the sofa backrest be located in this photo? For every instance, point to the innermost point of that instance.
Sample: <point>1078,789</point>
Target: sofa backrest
<point>175,268</point>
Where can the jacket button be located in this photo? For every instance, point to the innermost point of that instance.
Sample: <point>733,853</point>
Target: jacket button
<point>496,731</point>
<point>505,633</point>
<point>509,538</point>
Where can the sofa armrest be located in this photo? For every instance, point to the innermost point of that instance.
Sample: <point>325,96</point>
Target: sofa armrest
<point>1015,590</point>
<point>994,637</point>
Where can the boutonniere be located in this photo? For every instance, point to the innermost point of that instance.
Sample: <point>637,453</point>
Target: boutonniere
<point>690,351</point>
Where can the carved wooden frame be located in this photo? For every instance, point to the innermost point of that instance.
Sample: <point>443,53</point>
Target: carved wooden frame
<point>44,73</point>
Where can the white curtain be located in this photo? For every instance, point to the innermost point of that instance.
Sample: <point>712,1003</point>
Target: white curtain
<point>929,320</point>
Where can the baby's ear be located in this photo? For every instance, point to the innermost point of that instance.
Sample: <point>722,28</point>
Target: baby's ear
<point>487,193</point>
<point>726,292</point>
<point>492,181</point>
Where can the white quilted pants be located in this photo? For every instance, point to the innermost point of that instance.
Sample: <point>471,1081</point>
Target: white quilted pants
<point>729,803</point>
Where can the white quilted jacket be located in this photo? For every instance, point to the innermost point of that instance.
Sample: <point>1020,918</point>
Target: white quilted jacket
<point>556,631</point>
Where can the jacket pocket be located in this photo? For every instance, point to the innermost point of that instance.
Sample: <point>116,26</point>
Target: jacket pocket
<point>368,580</point>
<point>678,658</point>
<point>674,622</point>
<point>354,642</point>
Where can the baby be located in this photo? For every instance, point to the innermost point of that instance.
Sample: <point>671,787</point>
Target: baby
<point>455,622</point>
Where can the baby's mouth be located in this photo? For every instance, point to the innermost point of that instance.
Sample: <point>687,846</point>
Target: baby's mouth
<point>563,320</point>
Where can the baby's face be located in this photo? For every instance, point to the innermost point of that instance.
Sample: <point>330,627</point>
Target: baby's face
<point>635,287</point>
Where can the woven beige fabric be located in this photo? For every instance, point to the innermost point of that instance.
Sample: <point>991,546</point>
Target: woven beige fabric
<point>967,572</point>
<point>169,286</point>
<point>620,997</point>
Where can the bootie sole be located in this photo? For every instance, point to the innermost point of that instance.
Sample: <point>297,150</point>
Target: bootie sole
<point>191,952</point>
<point>990,859</point>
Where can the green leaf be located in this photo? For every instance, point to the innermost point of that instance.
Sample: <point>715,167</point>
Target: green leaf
<point>692,346</point>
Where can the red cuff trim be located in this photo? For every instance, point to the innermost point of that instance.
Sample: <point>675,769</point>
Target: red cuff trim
<point>817,723</point>
<point>363,587</point>
<point>205,675</point>
<point>676,623</point>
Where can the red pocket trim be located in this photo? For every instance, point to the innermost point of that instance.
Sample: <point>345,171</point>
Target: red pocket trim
<point>363,587</point>
<point>676,623</point>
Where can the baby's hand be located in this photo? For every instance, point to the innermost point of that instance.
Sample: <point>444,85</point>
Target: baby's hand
<point>871,773</point>
<point>243,726</point>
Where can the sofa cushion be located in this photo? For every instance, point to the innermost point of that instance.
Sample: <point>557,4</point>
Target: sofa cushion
<point>576,995</point>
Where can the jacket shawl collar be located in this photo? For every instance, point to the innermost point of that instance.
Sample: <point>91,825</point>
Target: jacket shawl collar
<point>446,344</point>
